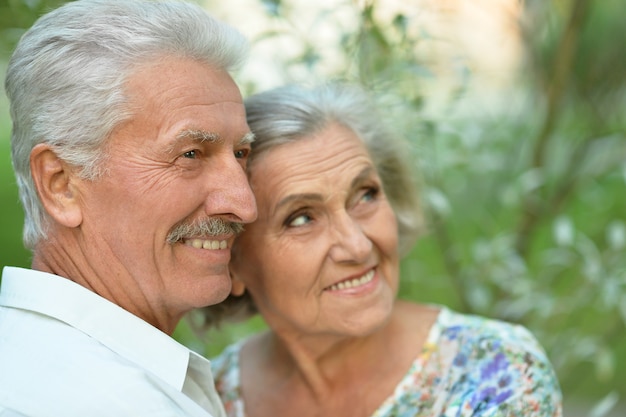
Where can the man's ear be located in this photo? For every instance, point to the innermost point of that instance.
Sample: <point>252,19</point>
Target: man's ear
<point>238,287</point>
<point>53,181</point>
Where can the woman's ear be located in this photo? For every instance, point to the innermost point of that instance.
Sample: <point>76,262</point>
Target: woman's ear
<point>238,287</point>
<point>53,181</point>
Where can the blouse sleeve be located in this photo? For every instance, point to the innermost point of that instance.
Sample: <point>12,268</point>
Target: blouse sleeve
<point>225,369</point>
<point>510,376</point>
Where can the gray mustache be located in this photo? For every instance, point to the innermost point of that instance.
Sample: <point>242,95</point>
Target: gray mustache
<point>213,226</point>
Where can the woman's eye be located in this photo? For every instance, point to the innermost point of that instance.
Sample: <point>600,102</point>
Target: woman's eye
<point>370,194</point>
<point>191,154</point>
<point>299,220</point>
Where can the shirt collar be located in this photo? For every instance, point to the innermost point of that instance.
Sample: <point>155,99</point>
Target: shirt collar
<point>114,327</point>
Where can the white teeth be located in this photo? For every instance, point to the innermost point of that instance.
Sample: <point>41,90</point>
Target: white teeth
<point>211,244</point>
<point>207,244</point>
<point>353,282</point>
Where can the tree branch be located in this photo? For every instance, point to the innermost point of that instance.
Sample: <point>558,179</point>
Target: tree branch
<point>532,207</point>
<point>451,263</point>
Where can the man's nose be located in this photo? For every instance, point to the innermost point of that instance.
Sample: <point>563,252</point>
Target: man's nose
<point>231,196</point>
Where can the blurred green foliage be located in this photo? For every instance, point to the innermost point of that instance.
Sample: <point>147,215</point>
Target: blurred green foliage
<point>525,198</point>
<point>11,217</point>
<point>15,17</point>
<point>18,15</point>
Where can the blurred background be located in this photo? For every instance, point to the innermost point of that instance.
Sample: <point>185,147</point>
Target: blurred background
<point>516,111</point>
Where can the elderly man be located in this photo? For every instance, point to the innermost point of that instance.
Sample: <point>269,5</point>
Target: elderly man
<point>129,145</point>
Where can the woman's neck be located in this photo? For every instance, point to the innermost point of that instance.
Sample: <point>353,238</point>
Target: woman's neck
<point>333,376</point>
<point>321,363</point>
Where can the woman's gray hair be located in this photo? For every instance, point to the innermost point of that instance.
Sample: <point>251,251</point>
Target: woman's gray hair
<point>66,78</point>
<point>287,114</point>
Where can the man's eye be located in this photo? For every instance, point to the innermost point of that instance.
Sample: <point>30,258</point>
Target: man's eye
<point>242,153</point>
<point>190,154</point>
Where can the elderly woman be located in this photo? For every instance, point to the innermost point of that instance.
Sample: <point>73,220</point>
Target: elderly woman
<point>337,208</point>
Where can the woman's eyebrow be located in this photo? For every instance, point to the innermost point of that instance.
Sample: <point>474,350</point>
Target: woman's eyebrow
<point>299,197</point>
<point>365,174</point>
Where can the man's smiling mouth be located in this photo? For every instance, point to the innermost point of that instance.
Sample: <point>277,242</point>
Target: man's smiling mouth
<point>206,244</point>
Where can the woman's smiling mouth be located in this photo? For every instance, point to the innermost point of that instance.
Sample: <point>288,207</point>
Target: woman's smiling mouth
<point>352,283</point>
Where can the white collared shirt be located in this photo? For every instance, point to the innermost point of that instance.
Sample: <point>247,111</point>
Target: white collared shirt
<point>66,351</point>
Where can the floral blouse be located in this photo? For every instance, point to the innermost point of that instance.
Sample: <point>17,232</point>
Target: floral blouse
<point>469,366</point>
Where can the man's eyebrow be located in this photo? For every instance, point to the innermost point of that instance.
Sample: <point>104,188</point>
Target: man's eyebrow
<point>192,135</point>
<point>247,139</point>
<point>198,135</point>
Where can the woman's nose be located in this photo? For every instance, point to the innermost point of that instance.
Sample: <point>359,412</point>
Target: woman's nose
<point>350,242</point>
